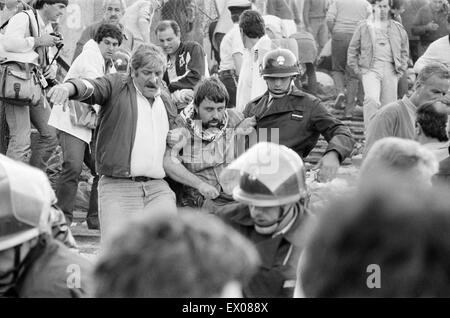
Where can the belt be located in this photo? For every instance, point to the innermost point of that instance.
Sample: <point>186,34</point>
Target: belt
<point>228,72</point>
<point>136,179</point>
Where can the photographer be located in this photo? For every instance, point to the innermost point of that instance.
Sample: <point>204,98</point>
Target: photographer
<point>31,42</point>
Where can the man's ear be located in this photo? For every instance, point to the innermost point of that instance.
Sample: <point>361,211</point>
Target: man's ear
<point>418,129</point>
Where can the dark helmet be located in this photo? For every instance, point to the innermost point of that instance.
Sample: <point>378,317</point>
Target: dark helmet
<point>280,63</point>
<point>268,175</point>
<point>25,202</point>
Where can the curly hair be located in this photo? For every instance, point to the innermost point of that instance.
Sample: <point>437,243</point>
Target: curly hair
<point>252,24</point>
<point>107,30</point>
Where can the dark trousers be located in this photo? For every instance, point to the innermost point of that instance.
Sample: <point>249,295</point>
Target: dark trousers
<point>75,152</point>
<point>229,79</point>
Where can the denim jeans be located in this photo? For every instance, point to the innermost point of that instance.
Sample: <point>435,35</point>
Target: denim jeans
<point>342,73</point>
<point>380,88</point>
<point>75,152</point>
<point>19,119</point>
<point>120,199</point>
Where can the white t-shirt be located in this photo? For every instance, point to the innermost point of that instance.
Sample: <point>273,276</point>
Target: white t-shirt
<point>231,44</point>
<point>251,84</point>
<point>149,145</point>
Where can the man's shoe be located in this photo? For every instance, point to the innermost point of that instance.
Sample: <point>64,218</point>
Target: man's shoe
<point>93,223</point>
<point>339,101</point>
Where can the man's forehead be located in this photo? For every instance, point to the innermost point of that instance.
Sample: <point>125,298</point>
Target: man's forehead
<point>114,4</point>
<point>111,40</point>
<point>209,103</point>
<point>152,66</point>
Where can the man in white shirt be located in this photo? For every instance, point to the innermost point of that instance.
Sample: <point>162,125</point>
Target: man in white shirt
<point>232,51</point>
<point>33,49</point>
<point>257,44</point>
<point>131,140</point>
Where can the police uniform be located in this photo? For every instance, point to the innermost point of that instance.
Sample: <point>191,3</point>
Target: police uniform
<point>301,119</point>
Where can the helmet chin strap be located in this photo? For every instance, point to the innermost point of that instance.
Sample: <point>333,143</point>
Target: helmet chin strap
<point>279,95</point>
<point>274,226</point>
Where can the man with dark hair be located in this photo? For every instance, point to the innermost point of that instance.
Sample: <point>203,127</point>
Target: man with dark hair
<point>75,135</point>
<point>201,147</point>
<point>398,119</point>
<point>389,242</point>
<point>186,256</point>
<point>257,44</point>
<point>186,62</point>
<point>113,12</point>
<point>135,115</point>
<point>30,40</point>
<point>431,128</point>
<point>232,50</point>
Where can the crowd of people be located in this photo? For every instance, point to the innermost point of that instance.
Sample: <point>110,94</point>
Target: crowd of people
<point>199,182</point>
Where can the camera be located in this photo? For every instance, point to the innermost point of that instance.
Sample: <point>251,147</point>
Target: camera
<point>58,35</point>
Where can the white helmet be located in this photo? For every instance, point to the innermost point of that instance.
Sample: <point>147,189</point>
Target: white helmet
<point>25,200</point>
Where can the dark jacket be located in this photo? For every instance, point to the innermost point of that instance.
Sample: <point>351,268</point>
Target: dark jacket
<point>54,271</point>
<point>189,65</point>
<point>277,273</point>
<point>301,118</point>
<point>117,96</point>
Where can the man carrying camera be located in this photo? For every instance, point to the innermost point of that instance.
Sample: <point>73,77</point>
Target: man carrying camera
<point>30,41</point>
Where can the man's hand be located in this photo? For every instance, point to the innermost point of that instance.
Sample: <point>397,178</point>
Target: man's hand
<point>46,40</point>
<point>208,191</point>
<point>328,166</point>
<point>177,138</point>
<point>246,126</point>
<point>59,95</point>
<point>50,73</point>
<point>187,95</point>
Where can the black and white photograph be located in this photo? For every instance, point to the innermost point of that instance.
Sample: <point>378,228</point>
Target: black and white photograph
<point>224,154</point>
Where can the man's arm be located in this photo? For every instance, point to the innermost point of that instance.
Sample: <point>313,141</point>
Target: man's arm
<point>338,135</point>
<point>195,70</point>
<point>178,172</point>
<point>16,41</point>
<point>89,91</point>
<point>306,7</point>
<point>331,16</point>
<point>354,51</point>
<point>380,126</point>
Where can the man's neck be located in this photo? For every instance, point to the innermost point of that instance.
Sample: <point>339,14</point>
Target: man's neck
<point>415,100</point>
<point>251,42</point>
<point>173,55</point>
<point>423,140</point>
<point>43,17</point>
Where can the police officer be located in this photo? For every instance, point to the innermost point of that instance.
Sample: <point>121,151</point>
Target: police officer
<point>272,183</point>
<point>32,262</point>
<point>299,117</point>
